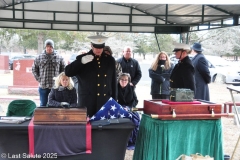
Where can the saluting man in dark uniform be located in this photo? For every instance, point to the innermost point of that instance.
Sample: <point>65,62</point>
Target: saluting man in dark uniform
<point>96,76</point>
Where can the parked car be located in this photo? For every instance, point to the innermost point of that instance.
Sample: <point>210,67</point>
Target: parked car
<point>223,69</point>
<point>17,57</point>
<point>72,58</point>
<point>174,60</point>
<point>219,68</point>
<point>74,55</point>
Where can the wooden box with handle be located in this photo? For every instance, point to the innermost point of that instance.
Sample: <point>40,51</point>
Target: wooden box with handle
<point>46,115</point>
<point>169,110</point>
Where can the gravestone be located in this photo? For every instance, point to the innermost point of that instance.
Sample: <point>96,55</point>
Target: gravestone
<point>24,82</point>
<point>4,64</point>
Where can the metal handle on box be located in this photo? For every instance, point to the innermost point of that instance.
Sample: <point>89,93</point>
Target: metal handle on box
<point>174,114</point>
<point>191,116</point>
<point>212,112</point>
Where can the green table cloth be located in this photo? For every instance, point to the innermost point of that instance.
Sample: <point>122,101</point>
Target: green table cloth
<point>168,139</point>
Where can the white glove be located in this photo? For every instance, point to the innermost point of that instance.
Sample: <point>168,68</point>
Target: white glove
<point>87,58</point>
<point>65,104</point>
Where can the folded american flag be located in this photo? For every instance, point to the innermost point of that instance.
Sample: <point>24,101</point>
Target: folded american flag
<point>111,110</point>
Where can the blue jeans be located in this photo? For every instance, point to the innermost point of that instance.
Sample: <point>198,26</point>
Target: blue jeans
<point>43,96</point>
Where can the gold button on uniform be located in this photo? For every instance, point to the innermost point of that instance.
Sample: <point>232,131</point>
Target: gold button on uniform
<point>98,94</point>
<point>97,59</point>
<point>104,94</point>
<point>98,84</point>
<point>98,62</point>
<point>99,66</point>
<point>105,75</point>
<point>98,75</point>
<point>105,85</point>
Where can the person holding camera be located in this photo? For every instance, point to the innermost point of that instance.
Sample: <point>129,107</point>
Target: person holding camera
<point>63,94</point>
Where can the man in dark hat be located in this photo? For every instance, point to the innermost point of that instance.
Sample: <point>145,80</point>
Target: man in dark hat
<point>182,75</point>
<point>202,73</point>
<point>96,75</point>
<point>46,66</point>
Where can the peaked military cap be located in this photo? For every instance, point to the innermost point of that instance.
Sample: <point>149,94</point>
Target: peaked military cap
<point>98,41</point>
<point>181,46</point>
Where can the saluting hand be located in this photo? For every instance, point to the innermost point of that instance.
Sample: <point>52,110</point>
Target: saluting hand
<point>87,58</point>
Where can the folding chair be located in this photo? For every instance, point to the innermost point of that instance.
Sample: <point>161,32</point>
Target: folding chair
<point>21,107</point>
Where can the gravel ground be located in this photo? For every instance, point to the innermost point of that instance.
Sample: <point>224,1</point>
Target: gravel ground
<point>218,94</point>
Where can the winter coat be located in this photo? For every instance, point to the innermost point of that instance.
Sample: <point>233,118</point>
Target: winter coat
<point>160,80</point>
<point>202,77</point>
<point>57,96</point>
<point>45,67</point>
<point>127,96</point>
<point>97,81</point>
<point>183,75</point>
<point>132,67</point>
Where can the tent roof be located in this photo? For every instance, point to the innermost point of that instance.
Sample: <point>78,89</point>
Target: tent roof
<point>117,17</point>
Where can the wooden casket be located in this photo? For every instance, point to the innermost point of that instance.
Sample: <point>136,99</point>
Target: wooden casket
<point>169,110</point>
<point>45,115</point>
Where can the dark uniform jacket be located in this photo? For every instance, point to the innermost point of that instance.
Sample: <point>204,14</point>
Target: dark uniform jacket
<point>132,67</point>
<point>160,80</point>
<point>57,96</point>
<point>96,81</point>
<point>127,96</point>
<point>202,77</point>
<point>183,75</point>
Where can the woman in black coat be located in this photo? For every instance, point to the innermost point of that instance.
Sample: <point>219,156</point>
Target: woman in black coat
<point>127,98</point>
<point>63,93</point>
<point>160,72</point>
<point>126,93</point>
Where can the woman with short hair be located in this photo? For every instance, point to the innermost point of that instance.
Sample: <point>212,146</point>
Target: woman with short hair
<point>127,98</point>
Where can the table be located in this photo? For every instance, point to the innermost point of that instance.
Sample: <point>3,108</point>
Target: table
<point>168,139</point>
<point>107,141</point>
<point>235,89</point>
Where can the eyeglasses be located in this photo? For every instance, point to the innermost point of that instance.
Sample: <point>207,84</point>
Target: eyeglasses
<point>124,80</point>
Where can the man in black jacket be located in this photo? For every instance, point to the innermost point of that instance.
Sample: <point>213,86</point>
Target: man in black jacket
<point>182,75</point>
<point>96,75</point>
<point>130,65</point>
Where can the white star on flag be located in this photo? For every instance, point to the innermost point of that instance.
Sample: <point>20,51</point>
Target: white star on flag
<point>113,108</point>
<point>112,117</point>
<point>93,117</point>
<point>102,118</point>
<point>122,115</point>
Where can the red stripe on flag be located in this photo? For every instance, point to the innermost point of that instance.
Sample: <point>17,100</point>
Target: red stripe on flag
<point>88,138</point>
<point>31,137</point>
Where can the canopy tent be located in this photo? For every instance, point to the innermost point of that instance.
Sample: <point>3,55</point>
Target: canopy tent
<point>165,17</point>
